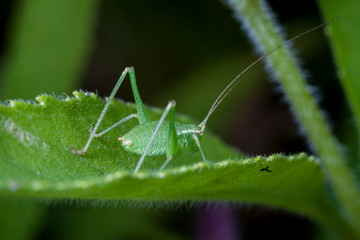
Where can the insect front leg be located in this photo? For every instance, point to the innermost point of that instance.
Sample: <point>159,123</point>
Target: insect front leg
<point>199,147</point>
<point>169,108</point>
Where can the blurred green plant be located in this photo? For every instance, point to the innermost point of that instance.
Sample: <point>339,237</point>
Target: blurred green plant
<point>47,47</point>
<point>257,19</point>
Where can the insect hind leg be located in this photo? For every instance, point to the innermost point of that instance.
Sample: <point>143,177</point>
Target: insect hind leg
<point>170,106</point>
<point>107,105</point>
<point>166,162</point>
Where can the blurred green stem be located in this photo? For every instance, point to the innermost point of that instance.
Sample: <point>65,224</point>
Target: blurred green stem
<point>48,46</point>
<point>257,19</point>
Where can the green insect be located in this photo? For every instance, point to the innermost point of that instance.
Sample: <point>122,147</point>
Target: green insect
<point>154,138</point>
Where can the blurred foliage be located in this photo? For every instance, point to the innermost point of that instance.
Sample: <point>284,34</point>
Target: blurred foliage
<point>47,46</point>
<point>258,21</point>
<point>106,223</point>
<point>345,45</point>
<point>20,219</point>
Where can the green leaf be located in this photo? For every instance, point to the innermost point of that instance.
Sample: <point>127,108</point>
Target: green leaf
<point>36,161</point>
<point>345,42</point>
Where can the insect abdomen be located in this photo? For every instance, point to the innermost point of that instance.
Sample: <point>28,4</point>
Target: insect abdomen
<point>137,138</point>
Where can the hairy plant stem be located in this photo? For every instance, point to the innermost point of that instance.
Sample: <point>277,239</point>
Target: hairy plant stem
<point>266,35</point>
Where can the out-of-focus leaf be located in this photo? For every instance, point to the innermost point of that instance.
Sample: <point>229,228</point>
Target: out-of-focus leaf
<point>345,38</point>
<point>19,219</point>
<point>48,45</point>
<point>106,224</point>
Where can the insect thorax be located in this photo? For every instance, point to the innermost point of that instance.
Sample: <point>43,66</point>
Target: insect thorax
<point>137,138</point>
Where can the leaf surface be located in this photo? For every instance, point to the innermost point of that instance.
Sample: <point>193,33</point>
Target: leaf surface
<point>36,161</point>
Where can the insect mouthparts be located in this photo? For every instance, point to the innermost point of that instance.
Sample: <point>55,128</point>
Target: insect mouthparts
<point>125,142</point>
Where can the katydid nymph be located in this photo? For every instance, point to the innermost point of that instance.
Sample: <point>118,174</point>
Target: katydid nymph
<point>165,137</point>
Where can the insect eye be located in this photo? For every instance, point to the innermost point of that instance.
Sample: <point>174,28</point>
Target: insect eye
<point>201,133</point>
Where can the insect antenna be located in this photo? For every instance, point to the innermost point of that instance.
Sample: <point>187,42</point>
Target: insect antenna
<point>235,81</point>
